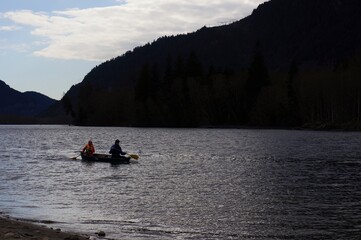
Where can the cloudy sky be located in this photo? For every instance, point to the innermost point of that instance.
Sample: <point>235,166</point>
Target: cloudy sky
<point>49,45</point>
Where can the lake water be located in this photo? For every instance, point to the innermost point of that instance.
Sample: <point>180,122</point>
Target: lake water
<point>187,184</point>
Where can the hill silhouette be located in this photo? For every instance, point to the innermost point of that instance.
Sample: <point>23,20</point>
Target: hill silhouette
<point>17,107</point>
<point>281,66</point>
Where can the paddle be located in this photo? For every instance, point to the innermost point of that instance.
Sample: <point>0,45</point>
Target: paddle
<point>134,156</point>
<point>74,158</point>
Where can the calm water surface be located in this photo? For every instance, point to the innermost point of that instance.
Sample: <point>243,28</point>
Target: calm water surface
<point>187,184</point>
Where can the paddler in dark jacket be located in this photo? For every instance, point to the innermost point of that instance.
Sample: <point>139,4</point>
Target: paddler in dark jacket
<point>116,150</point>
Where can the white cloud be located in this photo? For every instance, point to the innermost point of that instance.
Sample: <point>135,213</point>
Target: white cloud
<point>105,32</point>
<point>4,45</point>
<point>9,28</point>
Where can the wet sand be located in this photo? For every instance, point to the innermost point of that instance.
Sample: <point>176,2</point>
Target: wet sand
<point>18,229</point>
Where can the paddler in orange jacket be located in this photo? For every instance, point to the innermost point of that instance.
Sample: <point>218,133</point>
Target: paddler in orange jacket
<point>88,149</point>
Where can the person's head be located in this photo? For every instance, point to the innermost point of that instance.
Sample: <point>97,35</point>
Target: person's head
<point>117,141</point>
<point>90,142</point>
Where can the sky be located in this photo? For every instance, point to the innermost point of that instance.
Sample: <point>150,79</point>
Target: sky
<point>49,45</point>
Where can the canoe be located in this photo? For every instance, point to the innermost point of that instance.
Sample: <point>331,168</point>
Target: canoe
<point>105,158</point>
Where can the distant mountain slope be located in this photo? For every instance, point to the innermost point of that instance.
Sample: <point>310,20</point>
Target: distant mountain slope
<point>27,104</point>
<point>215,66</point>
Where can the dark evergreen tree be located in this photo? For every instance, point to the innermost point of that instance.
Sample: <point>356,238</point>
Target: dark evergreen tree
<point>258,77</point>
<point>180,70</point>
<point>68,107</point>
<point>142,95</point>
<point>144,84</point>
<point>292,108</point>
<point>194,66</point>
<point>85,104</point>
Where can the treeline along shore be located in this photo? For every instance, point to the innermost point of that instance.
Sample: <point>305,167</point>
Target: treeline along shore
<point>186,96</point>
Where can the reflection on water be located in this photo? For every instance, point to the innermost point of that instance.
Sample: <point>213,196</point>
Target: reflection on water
<point>188,183</point>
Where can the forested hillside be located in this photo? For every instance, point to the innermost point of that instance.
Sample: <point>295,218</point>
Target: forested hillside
<point>289,64</point>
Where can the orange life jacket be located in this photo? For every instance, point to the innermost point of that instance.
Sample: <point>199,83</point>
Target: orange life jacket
<point>89,149</point>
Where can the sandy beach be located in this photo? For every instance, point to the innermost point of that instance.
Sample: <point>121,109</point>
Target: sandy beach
<point>18,229</point>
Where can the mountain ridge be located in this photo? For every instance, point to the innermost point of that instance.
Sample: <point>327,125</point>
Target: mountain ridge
<point>18,105</point>
<point>253,29</point>
<point>303,35</point>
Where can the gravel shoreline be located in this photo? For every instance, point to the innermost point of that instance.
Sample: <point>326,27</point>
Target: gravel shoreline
<point>19,229</point>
